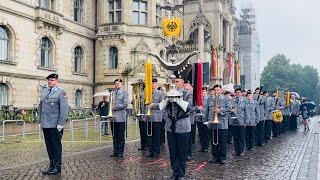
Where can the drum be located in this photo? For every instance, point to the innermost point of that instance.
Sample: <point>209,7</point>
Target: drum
<point>277,116</point>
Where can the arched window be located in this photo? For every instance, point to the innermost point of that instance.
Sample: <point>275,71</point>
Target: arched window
<point>78,59</point>
<point>194,35</point>
<point>78,10</point>
<point>3,94</point>
<point>4,44</point>
<point>46,52</point>
<point>113,58</point>
<point>78,98</point>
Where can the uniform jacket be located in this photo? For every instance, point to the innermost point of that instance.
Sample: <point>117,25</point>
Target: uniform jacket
<point>240,104</point>
<point>262,107</point>
<point>53,107</point>
<point>203,111</point>
<point>183,125</point>
<point>270,106</point>
<point>286,111</point>
<point>295,107</point>
<point>157,97</point>
<point>252,113</point>
<point>225,108</point>
<point>120,106</point>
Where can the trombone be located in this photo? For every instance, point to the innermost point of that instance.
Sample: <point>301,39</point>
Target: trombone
<point>148,115</point>
<point>137,101</point>
<point>215,120</point>
<point>110,114</point>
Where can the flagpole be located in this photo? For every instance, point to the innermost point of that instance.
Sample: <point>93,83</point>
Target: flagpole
<point>200,18</point>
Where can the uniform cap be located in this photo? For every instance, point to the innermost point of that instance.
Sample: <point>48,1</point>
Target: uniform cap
<point>187,82</point>
<point>117,80</point>
<point>55,76</point>
<point>154,80</point>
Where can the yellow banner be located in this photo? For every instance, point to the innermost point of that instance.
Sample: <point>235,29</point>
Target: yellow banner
<point>172,27</point>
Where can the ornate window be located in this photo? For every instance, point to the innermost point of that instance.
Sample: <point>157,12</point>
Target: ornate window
<point>46,52</point>
<point>78,10</point>
<point>4,44</point>
<point>3,94</point>
<point>194,35</point>
<point>78,98</point>
<point>115,11</point>
<point>139,12</point>
<point>113,58</point>
<point>78,59</point>
<point>158,15</point>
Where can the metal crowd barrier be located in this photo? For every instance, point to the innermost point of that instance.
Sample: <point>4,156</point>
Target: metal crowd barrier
<point>85,127</point>
<point>24,126</point>
<point>100,132</point>
<point>95,121</point>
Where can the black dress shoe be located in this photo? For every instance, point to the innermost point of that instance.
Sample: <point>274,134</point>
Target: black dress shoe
<point>172,178</point>
<point>106,134</point>
<point>156,155</point>
<point>214,160</point>
<point>181,178</point>
<point>113,155</point>
<point>142,148</point>
<point>201,150</point>
<point>47,170</point>
<point>54,171</point>
<point>239,154</point>
<point>222,161</point>
<point>150,155</point>
<point>205,150</point>
<point>189,158</point>
<point>120,155</point>
<point>260,145</point>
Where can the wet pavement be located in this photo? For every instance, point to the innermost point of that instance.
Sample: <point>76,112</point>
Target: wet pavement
<point>293,155</point>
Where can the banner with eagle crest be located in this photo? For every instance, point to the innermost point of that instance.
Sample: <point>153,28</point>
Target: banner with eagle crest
<point>172,27</point>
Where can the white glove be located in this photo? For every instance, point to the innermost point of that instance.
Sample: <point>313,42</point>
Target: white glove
<point>59,127</point>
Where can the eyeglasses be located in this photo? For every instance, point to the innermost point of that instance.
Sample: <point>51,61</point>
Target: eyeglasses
<point>52,80</point>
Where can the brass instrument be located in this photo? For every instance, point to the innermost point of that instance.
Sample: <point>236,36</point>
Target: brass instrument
<point>110,114</point>
<point>137,101</point>
<point>215,120</point>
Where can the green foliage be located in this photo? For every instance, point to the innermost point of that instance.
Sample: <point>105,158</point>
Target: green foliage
<point>280,74</point>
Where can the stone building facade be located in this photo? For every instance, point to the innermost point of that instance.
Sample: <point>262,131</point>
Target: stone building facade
<point>89,43</point>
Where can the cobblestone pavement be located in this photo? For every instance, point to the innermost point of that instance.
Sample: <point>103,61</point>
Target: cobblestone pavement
<point>293,155</point>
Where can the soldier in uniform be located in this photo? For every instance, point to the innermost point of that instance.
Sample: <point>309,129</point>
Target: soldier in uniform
<point>142,124</point>
<point>218,132</point>
<point>188,87</point>
<point>252,119</point>
<point>119,120</point>
<point>295,109</point>
<point>229,140</point>
<point>202,128</point>
<point>238,123</point>
<point>270,106</point>
<point>178,127</point>
<point>260,128</point>
<point>286,111</point>
<point>53,115</point>
<point>276,127</point>
<point>155,121</point>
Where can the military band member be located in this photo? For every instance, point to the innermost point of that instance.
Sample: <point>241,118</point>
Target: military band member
<point>295,109</point>
<point>143,124</point>
<point>252,119</point>
<point>260,128</point>
<point>178,127</point>
<point>244,93</point>
<point>53,115</point>
<point>286,111</point>
<point>202,128</point>
<point>118,123</point>
<point>218,132</point>
<point>276,127</point>
<point>188,87</point>
<point>270,106</point>
<point>238,123</point>
<point>229,140</point>
<point>155,121</point>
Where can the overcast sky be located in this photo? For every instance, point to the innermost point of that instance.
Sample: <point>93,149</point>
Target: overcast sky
<point>291,27</point>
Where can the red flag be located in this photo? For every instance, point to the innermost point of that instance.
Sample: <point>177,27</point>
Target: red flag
<point>215,64</point>
<point>199,84</point>
<point>230,66</point>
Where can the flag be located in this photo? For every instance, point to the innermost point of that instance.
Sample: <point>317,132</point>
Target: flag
<point>215,64</point>
<point>230,66</point>
<point>197,82</point>
<point>172,27</point>
<point>148,82</point>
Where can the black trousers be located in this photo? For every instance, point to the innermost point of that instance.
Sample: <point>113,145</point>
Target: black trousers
<point>219,151</point>
<point>286,123</point>
<point>178,143</point>
<point>163,131</point>
<point>52,138</point>
<point>191,139</point>
<point>238,138</point>
<point>276,129</point>
<point>143,134</point>
<point>293,123</point>
<point>203,135</point>
<point>250,137</point>
<point>268,129</point>
<point>118,130</point>
<point>229,133</point>
<point>260,133</point>
<point>154,140</point>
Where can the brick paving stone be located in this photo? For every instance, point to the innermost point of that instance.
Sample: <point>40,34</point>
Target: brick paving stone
<point>291,156</point>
